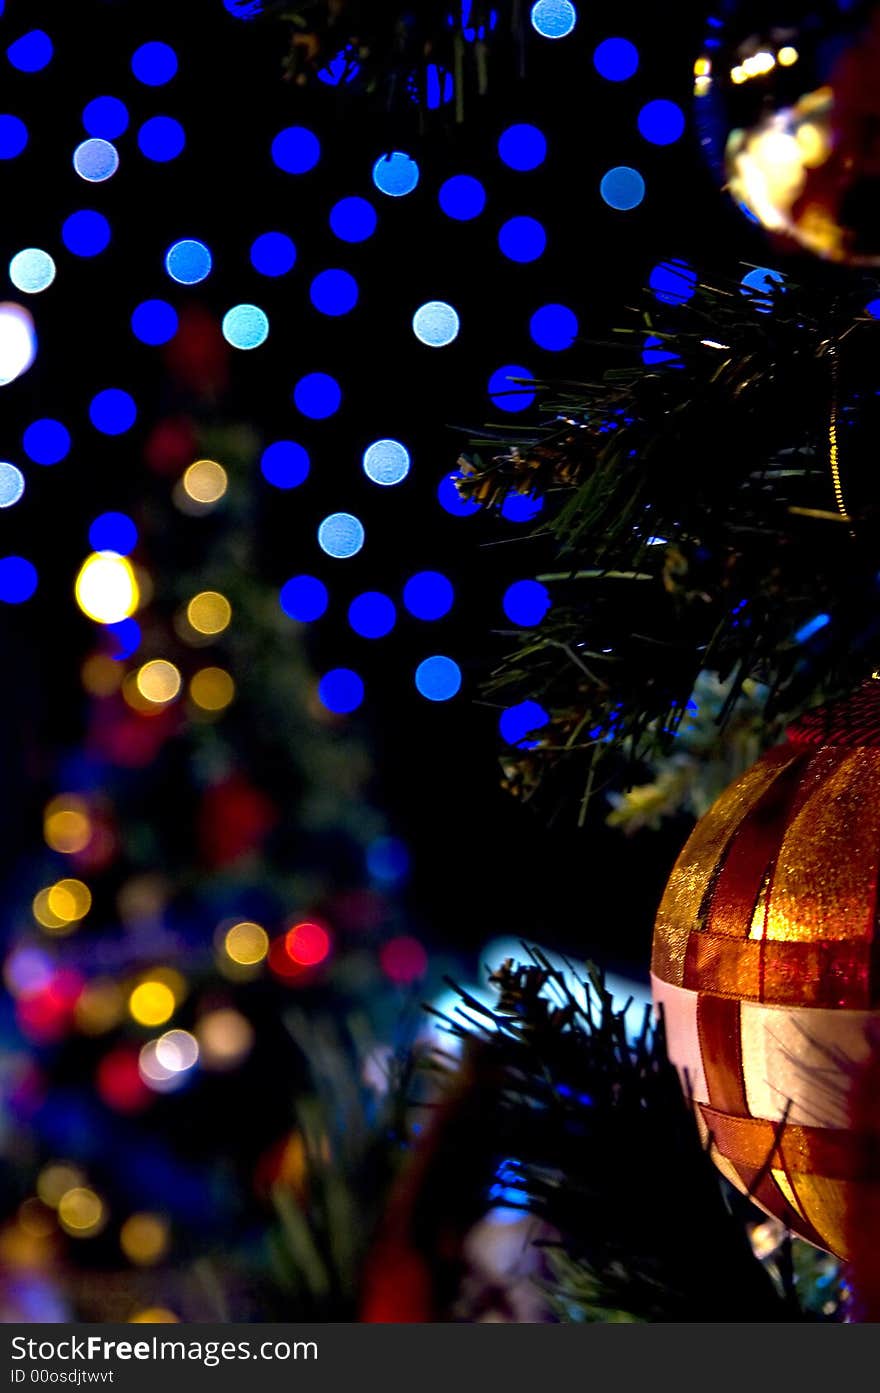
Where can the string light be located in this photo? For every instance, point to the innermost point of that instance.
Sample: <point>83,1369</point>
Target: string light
<point>245,326</point>
<point>436,324</point>
<point>296,150</point>
<point>438,678</point>
<point>246,943</point>
<point>18,341</point>
<point>386,462</point>
<point>396,174</point>
<point>106,117</point>
<point>95,160</point>
<point>11,484</point>
<point>67,827</point>
<point>152,1002</point>
<point>522,239</point>
<point>144,1239</point>
<point>106,588</point>
<point>273,254</point>
<point>81,1212</point>
<point>212,689</point>
<point>616,59</point>
<point>159,682</point>
<point>46,441</point>
<point>353,219</point>
<point>13,137</point>
<point>154,64</point>
<point>86,233</point>
<point>209,612</point>
<point>304,598</point>
<point>32,52</point>
<point>522,147</point>
<point>205,481</point>
<point>32,270</point>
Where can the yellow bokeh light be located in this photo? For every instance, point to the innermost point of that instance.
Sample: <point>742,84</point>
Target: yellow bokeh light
<point>144,1239</point>
<point>702,67</point>
<point>738,74</point>
<point>154,1315</point>
<point>101,675</point>
<point>67,827</point>
<point>152,1002</point>
<point>36,1218</point>
<point>47,917</point>
<point>69,901</point>
<point>158,682</point>
<point>56,1179</point>
<point>246,943</point>
<point>106,589</point>
<point>100,1006</point>
<point>225,1036</point>
<point>212,689</point>
<point>81,1212</point>
<point>209,612</point>
<point>205,481</point>
<point>787,55</point>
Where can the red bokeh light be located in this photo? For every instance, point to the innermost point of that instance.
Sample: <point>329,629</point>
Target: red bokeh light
<point>307,943</point>
<point>403,959</point>
<point>119,1081</point>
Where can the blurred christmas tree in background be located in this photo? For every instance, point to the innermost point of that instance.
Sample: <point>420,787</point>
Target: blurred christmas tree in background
<point>211,868</point>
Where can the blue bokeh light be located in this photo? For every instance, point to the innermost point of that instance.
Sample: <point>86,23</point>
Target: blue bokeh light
<point>518,722</point>
<point>616,59</point>
<point>372,615</point>
<point>11,484</point>
<point>526,602</point>
<point>507,394</point>
<point>13,137</point>
<point>285,464</point>
<point>673,282</point>
<point>161,139</point>
<point>450,499</point>
<point>113,532</point>
<point>396,174</point>
<point>32,52</point>
<point>245,326</point>
<point>18,580</point>
<point>622,188</point>
<point>126,635</point>
<point>388,860</point>
<point>812,626</point>
<point>105,117</point>
<point>553,19</point>
<point>334,292</point>
<point>438,678</point>
<point>273,254</point>
<point>873,309</point>
<point>188,261</point>
<point>86,233</point>
<point>462,197</point>
<point>353,219</point>
<point>521,507</point>
<point>341,535</point>
<point>522,147</point>
<point>154,322</point>
<point>428,595</point>
<point>760,284</point>
<point>436,324</point>
<point>341,690</point>
<point>32,270</point>
<point>304,598</point>
<point>554,327</point>
<point>154,63</point>
<point>661,122</point>
<point>317,395</point>
<point>296,150</point>
<point>656,353</point>
<point>386,462</point>
<point>522,239</point>
<point>95,160</point>
<point>342,68</point>
<point>243,9</point>
<point>112,412</point>
<point>46,441</point>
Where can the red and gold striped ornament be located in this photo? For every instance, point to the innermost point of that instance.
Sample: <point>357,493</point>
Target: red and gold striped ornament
<point>766,962</point>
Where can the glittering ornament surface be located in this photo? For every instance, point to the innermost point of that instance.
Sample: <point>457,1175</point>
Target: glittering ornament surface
<point>788,105</point>
<point>767,964</point>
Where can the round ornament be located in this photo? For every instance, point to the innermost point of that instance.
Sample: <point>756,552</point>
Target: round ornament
<point>787,100</point>
<point>766,963</point>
